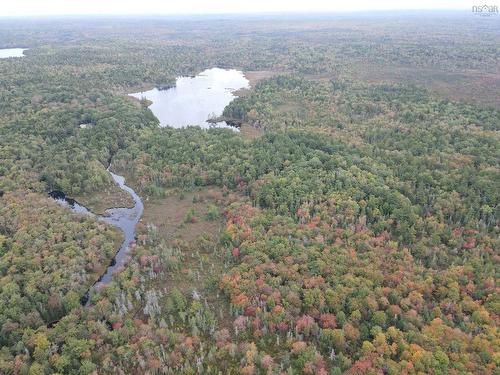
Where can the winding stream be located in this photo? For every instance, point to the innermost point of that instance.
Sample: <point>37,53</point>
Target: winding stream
<point>192,101</point>
<point>123,218</point>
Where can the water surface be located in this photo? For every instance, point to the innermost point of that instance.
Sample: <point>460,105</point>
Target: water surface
<point>123,218</point>
<point>191,102</point>
<point>126,219</point>
<point>11,52</point>
<point>195,99</point>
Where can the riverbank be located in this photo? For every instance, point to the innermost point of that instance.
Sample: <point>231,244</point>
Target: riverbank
<point>123,218</point>
<point>100,201</point>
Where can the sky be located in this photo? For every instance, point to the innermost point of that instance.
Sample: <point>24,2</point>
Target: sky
<point>175,7</point>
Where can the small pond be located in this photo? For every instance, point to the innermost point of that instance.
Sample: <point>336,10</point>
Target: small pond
<point>194,100</point>
<point>11,52</point>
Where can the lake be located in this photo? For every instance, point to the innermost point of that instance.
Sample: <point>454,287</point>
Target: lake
<point>191,102</point>
<point>195,99</point>
<point>12,52</point>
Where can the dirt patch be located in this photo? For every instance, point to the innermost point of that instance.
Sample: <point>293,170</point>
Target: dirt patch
<point>254,77</point>
<point>185,216</point>
<point>248,131</point>
<point>320,77</point>
<point>471,86</point>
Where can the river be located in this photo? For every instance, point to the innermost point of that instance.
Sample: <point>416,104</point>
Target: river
<point>123,218</point>
<point>191,102</point>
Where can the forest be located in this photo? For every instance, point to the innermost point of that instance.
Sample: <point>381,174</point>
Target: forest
<point>351,226</point>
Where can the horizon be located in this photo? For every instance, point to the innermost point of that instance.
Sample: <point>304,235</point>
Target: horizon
<point>55,8</point>
<point>375,12</point>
